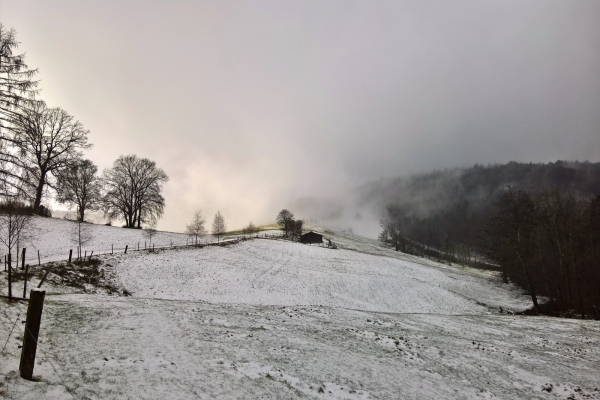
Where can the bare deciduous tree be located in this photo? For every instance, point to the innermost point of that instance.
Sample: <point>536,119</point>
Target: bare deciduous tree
<point>297,228</point>
<point>82,235</point>
<point>218,226</point>
<point>196,227</point>
<point>133,191</point>
<point>48,140</point>
<point>79,185</point>
<point>15,225</point>
<point>285,220</point>
<point>250,229</point>
<point>150,231</point>
<point>391,233</point>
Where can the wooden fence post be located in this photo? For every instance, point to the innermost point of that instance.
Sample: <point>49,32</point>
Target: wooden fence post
<point>39,261</point>
<point>23,258</point>
<point>126,246</point>
<point>44,277</point>
<point>70,255</point>
<point>91,254</point>
<point>9,277</point>
<point>32,330</point>
<point>25,282</point>
<point>85,255</point>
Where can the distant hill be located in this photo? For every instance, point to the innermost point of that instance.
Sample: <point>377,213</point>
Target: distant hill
<point>474,189</point>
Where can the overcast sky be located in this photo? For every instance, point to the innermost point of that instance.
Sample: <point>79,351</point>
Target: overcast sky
<point>248,105</point>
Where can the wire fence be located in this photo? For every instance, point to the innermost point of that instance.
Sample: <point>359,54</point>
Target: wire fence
<point>138,246</point>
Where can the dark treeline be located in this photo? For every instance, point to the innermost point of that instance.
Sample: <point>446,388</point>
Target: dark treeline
<point>539,224</point>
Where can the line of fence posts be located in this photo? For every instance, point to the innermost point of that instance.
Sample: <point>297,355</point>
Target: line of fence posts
<point>8,257</point>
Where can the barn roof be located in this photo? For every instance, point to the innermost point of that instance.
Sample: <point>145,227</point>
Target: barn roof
<point>313,232</point>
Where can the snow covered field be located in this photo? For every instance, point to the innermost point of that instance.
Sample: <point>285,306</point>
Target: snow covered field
<point>273,319</point>
<point>54,237</point>
<point>271,272</point>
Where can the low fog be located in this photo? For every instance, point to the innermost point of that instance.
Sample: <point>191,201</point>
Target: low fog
<point>251,107</point>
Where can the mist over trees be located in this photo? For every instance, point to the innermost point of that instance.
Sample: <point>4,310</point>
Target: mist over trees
<point>537,224</point>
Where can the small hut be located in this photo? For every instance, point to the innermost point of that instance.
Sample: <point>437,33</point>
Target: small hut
<point>311,237</point>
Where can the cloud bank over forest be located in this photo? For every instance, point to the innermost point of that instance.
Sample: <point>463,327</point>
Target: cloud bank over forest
<point>252,106</point>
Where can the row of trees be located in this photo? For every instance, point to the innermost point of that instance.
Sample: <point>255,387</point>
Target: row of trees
<point>197,230</point>
<point>41,154</point>
<point>41,151</point>
<point>547,241</point>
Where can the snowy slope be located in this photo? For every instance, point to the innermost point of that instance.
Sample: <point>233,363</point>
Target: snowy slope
<point>127,348</point>
<point>54,237</point>
<point>274,272</point>
<point>279,320</point>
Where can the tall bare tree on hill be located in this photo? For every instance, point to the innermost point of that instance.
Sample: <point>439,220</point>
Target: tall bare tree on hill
<point>133,189</point>
<point>218,226</point>
<point>82,235</point>
<point>48,140</point>
<point>196,227</point>
<point>285,220</point>
<point>79,185</point>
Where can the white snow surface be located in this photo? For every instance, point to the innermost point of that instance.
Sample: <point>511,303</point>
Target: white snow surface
<point>279,320</point>
<point>271,272</point>
<point>54,237</point>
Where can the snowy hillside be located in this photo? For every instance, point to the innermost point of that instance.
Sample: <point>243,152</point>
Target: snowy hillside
<point>271,272</point>
<point>280,320</point>
<point>54,237</point>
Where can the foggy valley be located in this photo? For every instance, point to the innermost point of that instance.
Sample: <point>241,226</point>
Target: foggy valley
<point>262,199</point>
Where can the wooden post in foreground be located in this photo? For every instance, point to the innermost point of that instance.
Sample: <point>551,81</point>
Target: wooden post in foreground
<point>126,246</point>
<point>9,277</point>
<point>70,255</point>
<point>23,258</point>
<point>32,329</point>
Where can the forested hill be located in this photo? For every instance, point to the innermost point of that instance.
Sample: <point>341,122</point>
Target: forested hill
<point>539,224</point>
<point>475,189</point>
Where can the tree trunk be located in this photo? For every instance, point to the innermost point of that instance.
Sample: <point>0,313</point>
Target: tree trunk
<point>38,193</point>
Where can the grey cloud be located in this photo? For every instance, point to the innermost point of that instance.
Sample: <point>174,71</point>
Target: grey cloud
<point>251,105</point>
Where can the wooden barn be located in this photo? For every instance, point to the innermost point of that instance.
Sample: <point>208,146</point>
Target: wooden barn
<point>311,237</point>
